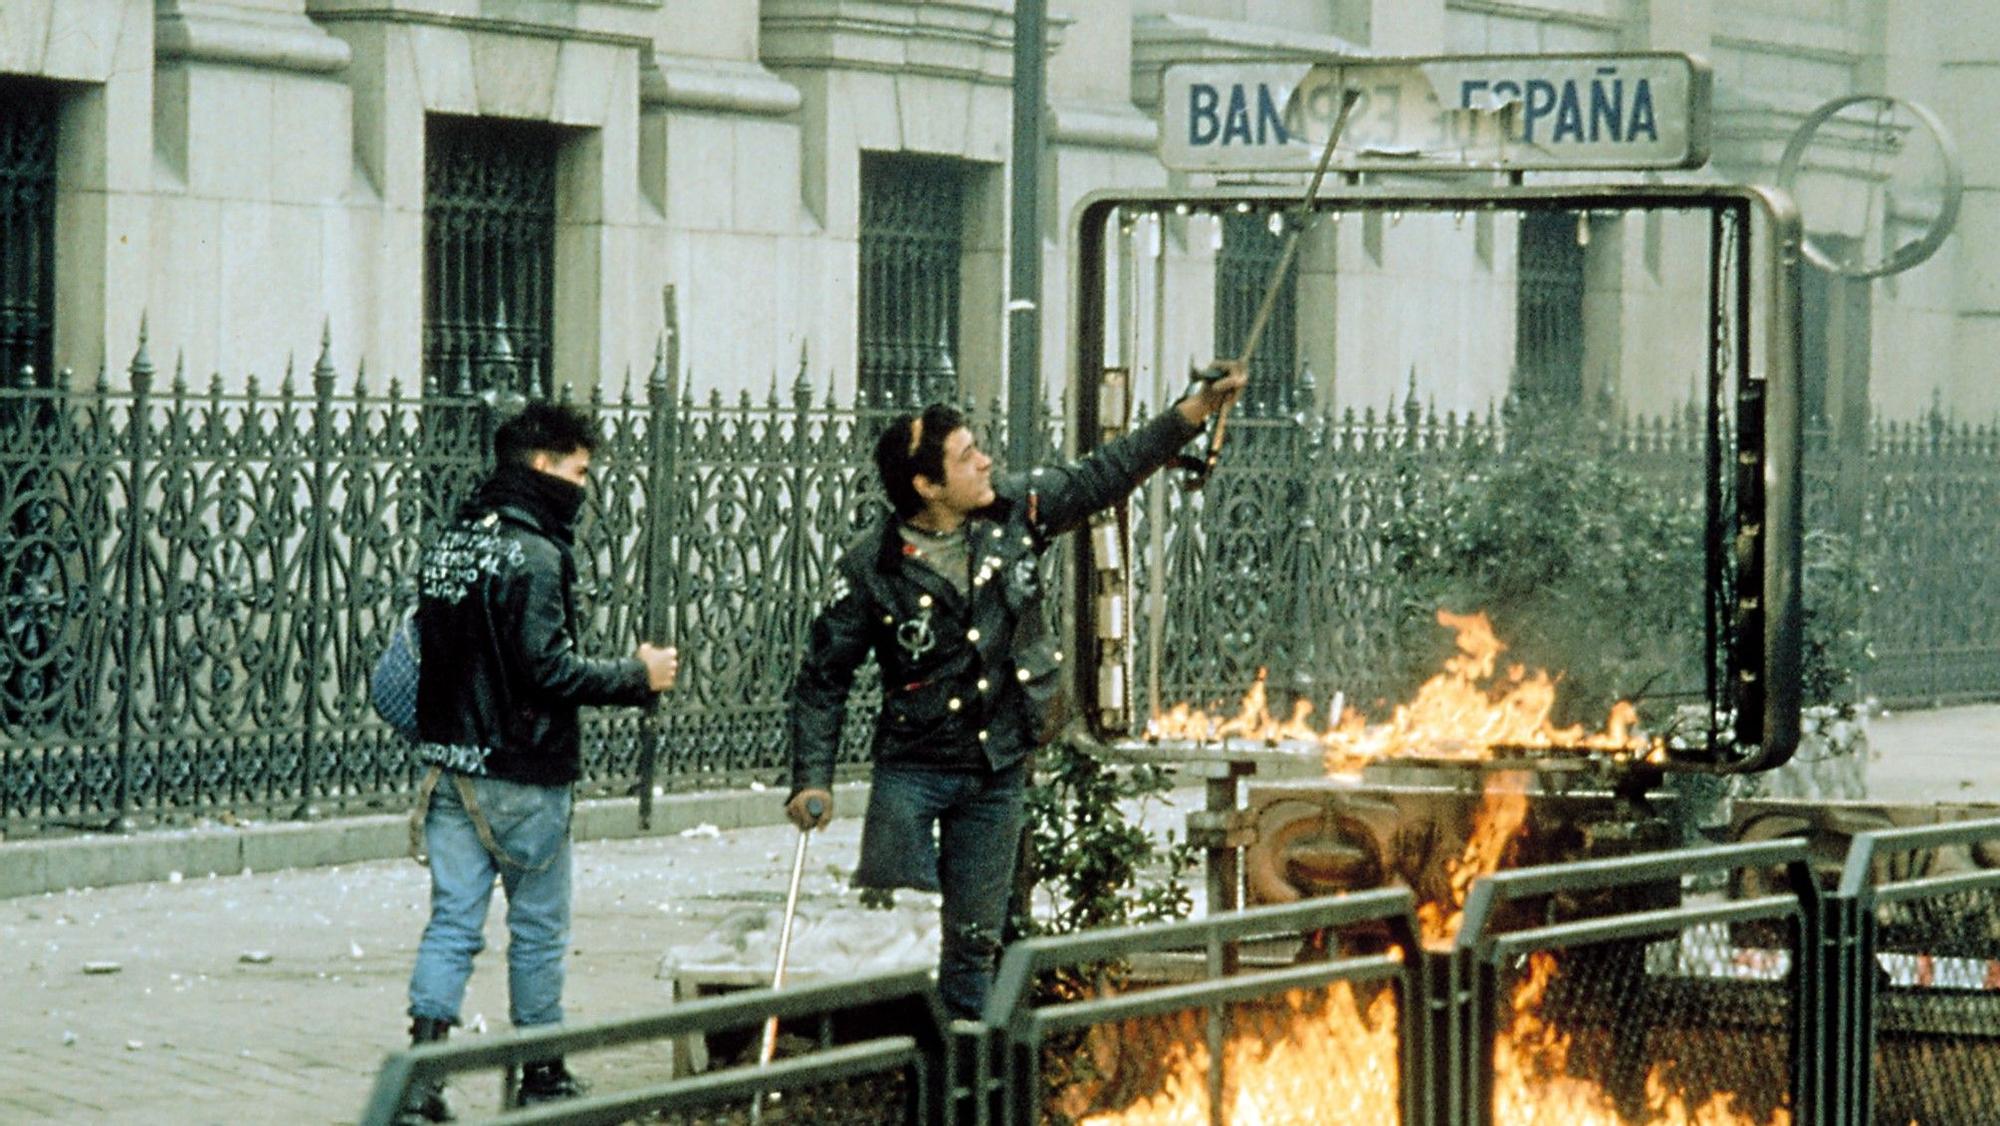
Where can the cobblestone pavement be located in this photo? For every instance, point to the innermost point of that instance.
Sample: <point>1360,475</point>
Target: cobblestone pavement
<point>273,996</point>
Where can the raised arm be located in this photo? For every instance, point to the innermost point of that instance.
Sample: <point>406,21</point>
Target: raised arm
<point>1066,495</point>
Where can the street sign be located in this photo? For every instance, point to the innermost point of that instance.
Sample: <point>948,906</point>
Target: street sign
<point>1506,112</point>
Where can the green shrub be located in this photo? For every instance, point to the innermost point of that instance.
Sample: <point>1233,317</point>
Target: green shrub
<point>1835,586</point>
<point>1585,568</point>
<point>1093,864</point>
<point>1593,570</point>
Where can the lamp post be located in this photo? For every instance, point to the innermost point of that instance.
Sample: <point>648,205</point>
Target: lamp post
<point>1024,268</point>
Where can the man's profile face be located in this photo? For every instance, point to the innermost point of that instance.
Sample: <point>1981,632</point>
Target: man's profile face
<point>573,467</point>
<point>968,475</point>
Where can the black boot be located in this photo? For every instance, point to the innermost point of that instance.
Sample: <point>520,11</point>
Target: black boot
<point>426,1102</point>
<point>546,1081</point>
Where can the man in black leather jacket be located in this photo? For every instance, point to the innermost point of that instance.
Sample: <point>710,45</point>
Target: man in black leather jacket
<point>947,596</point>
<point>498,690</point>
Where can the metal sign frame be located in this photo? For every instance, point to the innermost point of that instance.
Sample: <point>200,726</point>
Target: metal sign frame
<point>1761,638</point>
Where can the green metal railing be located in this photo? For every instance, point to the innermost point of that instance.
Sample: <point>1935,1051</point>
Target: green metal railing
<point>1694,985</point>
<point>194,579</point>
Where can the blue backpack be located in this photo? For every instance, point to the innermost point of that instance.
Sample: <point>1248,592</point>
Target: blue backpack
<point>392,686</point>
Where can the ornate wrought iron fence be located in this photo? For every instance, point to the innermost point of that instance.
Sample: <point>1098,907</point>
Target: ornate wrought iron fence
<point>1929,534</point>
<point>194,581</point>
<point>198,580</point>
<point>1279,563</point>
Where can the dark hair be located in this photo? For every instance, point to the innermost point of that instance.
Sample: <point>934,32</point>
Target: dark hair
<point>558,429</point>
<point>899,459</point>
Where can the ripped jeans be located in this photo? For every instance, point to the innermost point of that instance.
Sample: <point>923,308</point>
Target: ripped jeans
<point>956,833</point>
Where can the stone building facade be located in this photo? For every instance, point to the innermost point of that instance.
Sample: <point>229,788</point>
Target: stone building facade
<point>826,178</point>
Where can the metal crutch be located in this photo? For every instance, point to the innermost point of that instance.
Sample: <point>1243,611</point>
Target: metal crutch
<point>770,1043</point>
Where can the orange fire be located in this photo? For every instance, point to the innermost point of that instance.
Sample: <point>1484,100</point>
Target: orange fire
<point>1321,1057</point>
<point>1501,812</point>
<point>1464,711</point>
<point>1532,1084</point>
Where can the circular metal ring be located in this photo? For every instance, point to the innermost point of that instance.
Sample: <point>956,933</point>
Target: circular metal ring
<point>1910,253</point>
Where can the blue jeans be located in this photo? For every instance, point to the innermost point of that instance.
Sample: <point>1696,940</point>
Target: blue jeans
<point>957,834</point>
<point>531,825</point>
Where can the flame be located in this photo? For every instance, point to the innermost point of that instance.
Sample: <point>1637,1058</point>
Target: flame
<point>1465,710</point>
<point>1532,1083</point>
<point>1321,1056</point>
<point>1502,809</point>
<point>1312,1057</point>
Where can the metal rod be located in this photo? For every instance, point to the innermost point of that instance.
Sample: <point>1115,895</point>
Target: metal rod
<point>769,1046</point>
<point>1277,280</point>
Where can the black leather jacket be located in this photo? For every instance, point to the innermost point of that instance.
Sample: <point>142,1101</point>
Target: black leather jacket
<point>499,679</point>
<point>966,680</point>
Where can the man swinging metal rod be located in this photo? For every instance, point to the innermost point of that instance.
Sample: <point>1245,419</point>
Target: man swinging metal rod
<point>770,1042</point>
<point>1198,473</point>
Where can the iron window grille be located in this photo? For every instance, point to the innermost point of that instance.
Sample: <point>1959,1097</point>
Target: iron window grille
<point>1548,352</point>
<point>912,241</point>
<point>28,130</point>
<point>489,255</point>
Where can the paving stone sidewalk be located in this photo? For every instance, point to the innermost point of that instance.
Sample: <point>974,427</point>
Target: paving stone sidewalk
<point>272,997</point>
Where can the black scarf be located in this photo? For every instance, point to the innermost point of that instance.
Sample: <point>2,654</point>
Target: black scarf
<point>552,501</point>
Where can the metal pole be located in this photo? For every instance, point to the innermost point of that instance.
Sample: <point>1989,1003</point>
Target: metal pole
<point>769,1043</point>
<point>1024,268</point>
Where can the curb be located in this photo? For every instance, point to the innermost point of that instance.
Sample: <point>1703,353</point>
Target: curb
<point>39,867</point>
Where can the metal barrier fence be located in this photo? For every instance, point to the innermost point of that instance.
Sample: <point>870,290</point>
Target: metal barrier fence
<point>870,1051</point>
<point>1299,1013</point>
<point>194,581</point>
<point>1644,1003</point>
<point>1712,985</point>
<point>1919,1003</point>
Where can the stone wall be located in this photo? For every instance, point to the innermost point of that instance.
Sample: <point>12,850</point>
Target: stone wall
<point>243,171</point>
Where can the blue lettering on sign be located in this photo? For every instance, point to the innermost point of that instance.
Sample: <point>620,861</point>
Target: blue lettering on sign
<point>1209,122</point>
<point>1569,115</point>
<point>1607,107</point>
<point>1604,119</point>
<point>1270,124</point>
<point>1541,99</point>
<point>1642,113</point>
<point>1236,126</point>
<point>1202,122</point>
